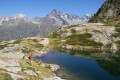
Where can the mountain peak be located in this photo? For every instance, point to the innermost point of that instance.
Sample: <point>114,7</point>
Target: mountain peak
<point>20,15</point>
<point>54,11</point>
<point>88,15</point>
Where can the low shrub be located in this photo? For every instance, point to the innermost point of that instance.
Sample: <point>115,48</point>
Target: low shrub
<point>17,41</point>
<point>5,76</point>
<point>3,46</point>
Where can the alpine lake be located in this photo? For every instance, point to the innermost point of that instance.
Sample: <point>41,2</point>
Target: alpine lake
<point>84,65</point>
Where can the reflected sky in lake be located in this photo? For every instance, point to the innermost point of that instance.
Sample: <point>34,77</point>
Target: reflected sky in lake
<point>77,65</point>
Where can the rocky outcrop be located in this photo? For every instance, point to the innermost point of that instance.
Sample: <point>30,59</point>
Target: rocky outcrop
<point>13,62</point>
<point>109,12</point>
<point>53,67</point>
<point>30,72</point>
<point>98,31</point>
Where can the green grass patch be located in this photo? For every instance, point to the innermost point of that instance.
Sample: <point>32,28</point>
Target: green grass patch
<point>97,31</point>
<point>17,41</point>
<point>3,46</point>
<point>39,46</point>
<point>118,44</point>
<point>33,40</point>
<point>117,34</point>
<point>73,31</point>
<point>20,79</point>
<point>71,26</point>
<point>117,30</point>
<point>36,67</point>
<point>54,35</point>
<point>85,35</point>
<point>26,50</point>
<point>108,45</point>
<point>82,40</point>
<point>5,76</point>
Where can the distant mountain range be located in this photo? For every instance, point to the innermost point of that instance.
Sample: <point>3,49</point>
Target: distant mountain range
<point>20,26</point>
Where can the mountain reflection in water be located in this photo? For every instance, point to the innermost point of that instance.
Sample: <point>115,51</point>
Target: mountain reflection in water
<point>85,65</point>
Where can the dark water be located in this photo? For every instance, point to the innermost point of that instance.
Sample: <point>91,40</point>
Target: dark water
<point>83,66</point>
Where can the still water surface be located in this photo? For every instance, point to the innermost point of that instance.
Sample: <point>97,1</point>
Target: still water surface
<point>79,68</point>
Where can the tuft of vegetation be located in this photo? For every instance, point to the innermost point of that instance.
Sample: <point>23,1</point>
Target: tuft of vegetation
<point>35,40</point>
<point>3,46</point>
<point>54,35</point>
<point>39,46</point>
<point>97,31</point>
<point>117,34</point>
<point>73,31</point>
<point>17,41</point>
<point>49,67</point>
<point>117,30</point>
<point>31,68</point>
<point>5,76</point>
<point>117,25</point>
<point>108,45</point>
<point>20,79</point>
<point>26,50</point>
<point>85,35</point>
<point>118,44</point>
<point>82,40</point>
<point>41,71</point>
<point>72,26</point>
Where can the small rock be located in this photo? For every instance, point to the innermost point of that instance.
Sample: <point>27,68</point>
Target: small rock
<point>54,78</point>
<point>54,67</point>
<point>38,72</point>
<point>13,69</point>
<point>16,76</point>
<point>30,72</point>
<point>43,65</point>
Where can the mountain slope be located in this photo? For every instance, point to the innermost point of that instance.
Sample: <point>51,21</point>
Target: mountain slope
<point>65,19</point>
<point>108,13</point>
<point>56,19</point>
<point>16,27</point>
<point>88,36</point>
<point>20,26</point>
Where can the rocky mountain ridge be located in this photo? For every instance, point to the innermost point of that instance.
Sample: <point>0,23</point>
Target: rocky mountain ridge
<point>109,13</point>
<point>20,26</point>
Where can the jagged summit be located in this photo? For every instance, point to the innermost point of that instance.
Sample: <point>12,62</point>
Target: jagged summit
<point>66,18</point>
<point>20,15</point>
<point>20,26</point>
<point>55,11</point>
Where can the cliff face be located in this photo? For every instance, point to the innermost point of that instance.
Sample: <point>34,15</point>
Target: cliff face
<point>109,11</point>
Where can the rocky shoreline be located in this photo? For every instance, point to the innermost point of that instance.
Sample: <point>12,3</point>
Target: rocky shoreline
<point>15,67</point>
<point>54,68</point>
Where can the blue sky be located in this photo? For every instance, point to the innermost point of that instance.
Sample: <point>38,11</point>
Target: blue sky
<point>40,8</point>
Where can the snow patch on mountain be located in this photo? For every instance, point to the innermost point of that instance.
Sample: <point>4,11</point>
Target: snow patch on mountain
<point>20,26</point>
